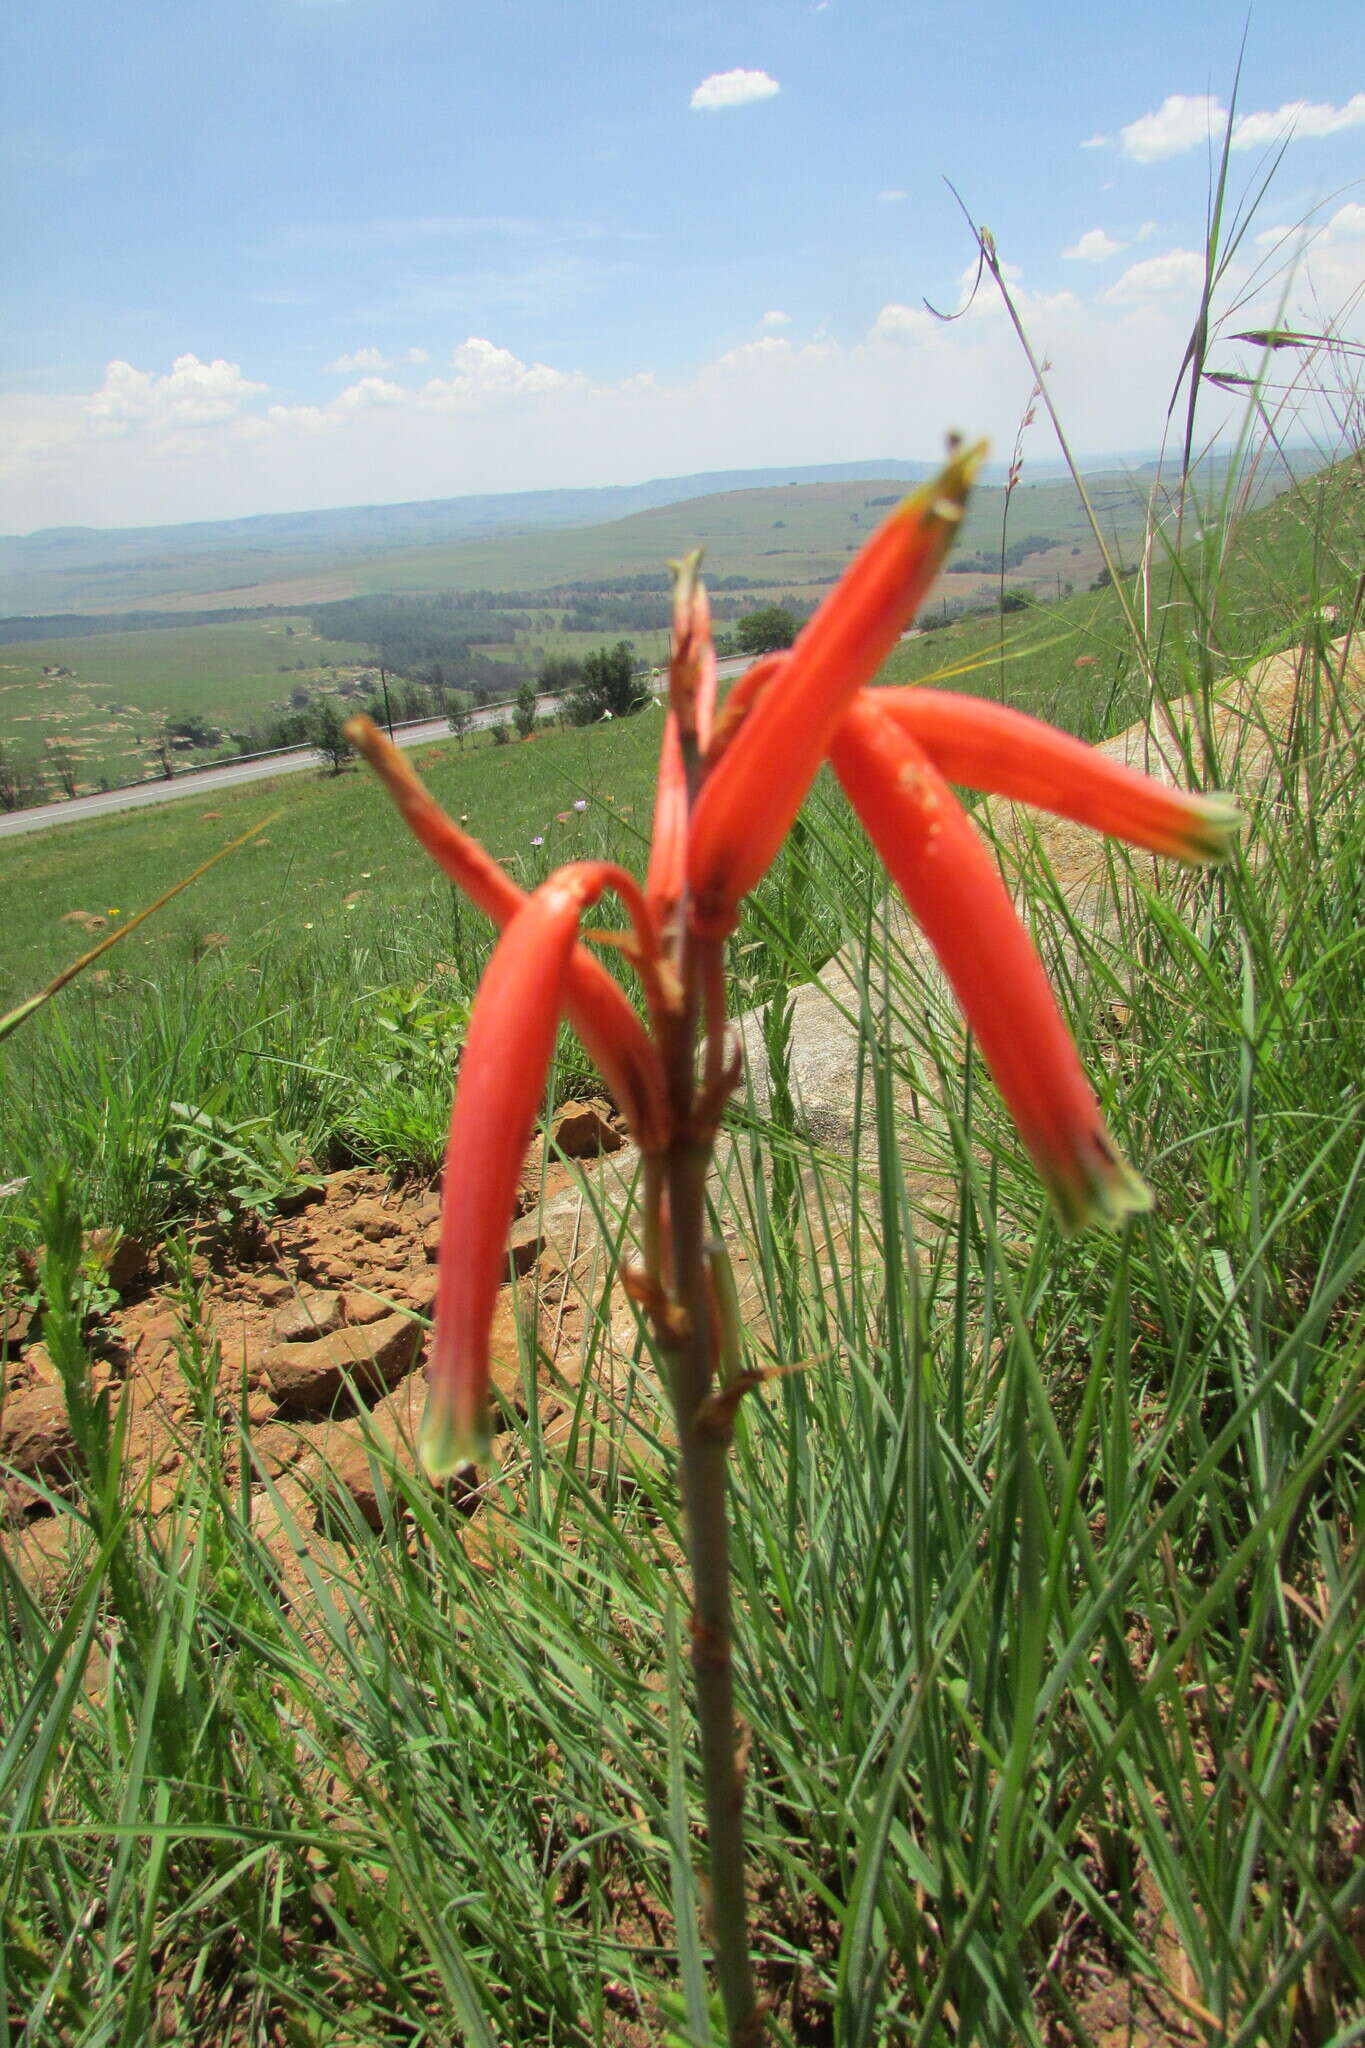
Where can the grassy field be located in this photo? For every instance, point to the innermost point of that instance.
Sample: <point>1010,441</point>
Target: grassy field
<point>1048,1559</point>
<point>114,688</point>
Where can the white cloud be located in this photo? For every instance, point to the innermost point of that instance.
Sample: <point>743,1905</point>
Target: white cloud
<point>1094,246</point>
<point>1346,225</point>
<point>776,319</point>
<point>892,195</point>
<point>192,394</point>
<point>359,359</point>
<point>417,355</point>
<point>1186,121</point>
<point>1304,118</point>
<point>1176,271</point>
<point>902,323</point>
<point>369,391</point>
<point>1146,231</point>
<point>732,89</point>
<point>1181,122</point>
<point>484,372</point>
<point>199,442</point>
<point>1095,142</point>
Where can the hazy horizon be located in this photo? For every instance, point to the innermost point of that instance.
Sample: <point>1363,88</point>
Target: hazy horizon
<point>323,253</point>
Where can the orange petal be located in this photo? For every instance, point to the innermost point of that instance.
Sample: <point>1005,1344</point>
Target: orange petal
<point>955,892</point>
<point>692,658</point>
<point>598,1008</point>
<point>750,797</point>
<point>502,1079</point>
<point>666,873</point>
<point>989,747</point>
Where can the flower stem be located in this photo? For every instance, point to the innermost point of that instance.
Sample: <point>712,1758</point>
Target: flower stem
<point>702,1457</point>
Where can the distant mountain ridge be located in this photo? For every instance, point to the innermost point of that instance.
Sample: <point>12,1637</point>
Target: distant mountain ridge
<point>65,570</point>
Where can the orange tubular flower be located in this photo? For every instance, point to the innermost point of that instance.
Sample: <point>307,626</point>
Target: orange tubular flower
<point>989,747</point>
<point>502,1079</point>
<point>596,1006</point>
<point>955,892</point>
<point>746,806</point>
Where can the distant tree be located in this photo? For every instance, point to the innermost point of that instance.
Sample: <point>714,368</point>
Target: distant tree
<point>325,733</point>
<point>161,749</point>
<point>771,627</point>
<point>502,733</point>
<point>194,729</point>
<point>610,686</point>
<point>524,712</point>
<point>63,764</point>
<point>458,714</point>
<point>21,784</point>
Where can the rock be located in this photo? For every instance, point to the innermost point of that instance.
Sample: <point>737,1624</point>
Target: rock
<point>419,1290</point>
<point>160,1336</point>
<point>41,1371</point>
<point>431,1239</point>
<point>47,1552</point>
<point>375,1222</point>
<point>269,1288</point>
<point>583,1129</point>
<point>515,1306</point>
<point>307,1379</point>
<point>525,1245</point>
<point>35,1434</point>
<point>311,1315</point>
<point>125,1259</point>
<point>15,1322</point>
<point>360,1306</point>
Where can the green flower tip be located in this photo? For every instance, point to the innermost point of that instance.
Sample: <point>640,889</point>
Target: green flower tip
<point>944,499</point>
<point>442,1446</point>
<point>1102,1189</point>
<point>1214,828</point>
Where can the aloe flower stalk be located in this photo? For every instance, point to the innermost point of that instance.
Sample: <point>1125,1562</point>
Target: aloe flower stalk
<point>730,783</point>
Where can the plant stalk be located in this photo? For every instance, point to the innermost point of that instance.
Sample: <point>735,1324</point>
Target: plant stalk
<point>702,1455</point>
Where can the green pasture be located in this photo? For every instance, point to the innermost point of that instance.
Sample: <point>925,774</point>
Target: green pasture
<point>118,686</point>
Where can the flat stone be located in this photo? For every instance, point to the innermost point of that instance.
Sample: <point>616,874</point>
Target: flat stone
<point>312,1315</point>
<point>525,1245</point>
<point>375,1222</point>
<point>35,1434</point>
<point>582,1130</point>
<point>359,1306</point>
<point>308,1379</point>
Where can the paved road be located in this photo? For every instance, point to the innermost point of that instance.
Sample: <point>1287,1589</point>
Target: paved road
<point>197,782</point>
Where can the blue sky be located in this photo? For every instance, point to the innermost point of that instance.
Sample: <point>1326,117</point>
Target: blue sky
<point>282,253</point>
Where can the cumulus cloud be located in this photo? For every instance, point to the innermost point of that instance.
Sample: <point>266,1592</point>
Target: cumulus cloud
<point>192,394</point>
<point>1186,121</point>
<point>732,89</point>
<point>359,359</point>
<point>776,319</point>
<point>1347,224</point>
<point>484,372</point>
<point>198,443</point>
<point>892,195</point>
<point>1094,246</point>
<point>417,355</point>
<point>1176,271</point>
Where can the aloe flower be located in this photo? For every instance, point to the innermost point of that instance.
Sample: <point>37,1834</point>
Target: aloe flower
<point>729,785</point>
